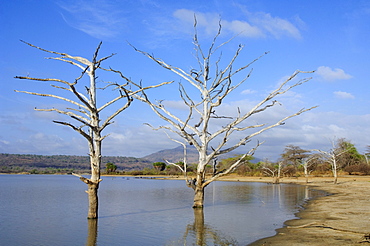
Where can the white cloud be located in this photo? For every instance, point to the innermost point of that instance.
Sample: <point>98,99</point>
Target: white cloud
<point>343,95</point>
<point>248,91</point>
<point>136,141</point>
<point>256,25</point>
<point>274,26</point>
<point>99,19</point>
<point>207,21</point>
<point>243,28</point>
<point>329,74</point>
<point>4,142</point>
<point>314,130</point>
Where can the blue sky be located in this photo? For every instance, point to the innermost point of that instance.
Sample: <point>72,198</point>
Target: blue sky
<point>330,37</point>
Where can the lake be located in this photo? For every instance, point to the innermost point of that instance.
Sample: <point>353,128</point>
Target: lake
<point>52,209</point>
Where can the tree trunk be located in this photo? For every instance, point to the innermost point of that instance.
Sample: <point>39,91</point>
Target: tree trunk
<point>335,174</point>
<point>93,182</point>
<point>276,180</point>
<point>306,172</point>
<point>92,192</point>
<point>198,196</point>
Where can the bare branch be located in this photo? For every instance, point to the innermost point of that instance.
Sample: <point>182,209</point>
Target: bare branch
<point>176,70</point>
<point>53,96</point>
<point>68,113</point>
<point>77,129</point>
<point>76,58</point>
<point>233,166</point>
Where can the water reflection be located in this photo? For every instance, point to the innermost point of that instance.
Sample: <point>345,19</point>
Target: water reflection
<point>199,233</point>
<point>92,232</point>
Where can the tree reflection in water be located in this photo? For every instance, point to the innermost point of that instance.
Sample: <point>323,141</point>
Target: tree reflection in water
<point>92,232</point>
<point>199,233</point>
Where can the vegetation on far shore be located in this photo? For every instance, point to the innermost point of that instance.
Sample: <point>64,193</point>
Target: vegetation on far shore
<point>291,164</point>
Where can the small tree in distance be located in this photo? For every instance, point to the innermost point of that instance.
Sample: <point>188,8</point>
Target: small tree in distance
<point>84,109</point>
<point>110,167</point>
<point>213,84</point>
<point>332,156</point>
<point>159,166</point>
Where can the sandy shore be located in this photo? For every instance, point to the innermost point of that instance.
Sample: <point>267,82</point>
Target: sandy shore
<point>342,218</point>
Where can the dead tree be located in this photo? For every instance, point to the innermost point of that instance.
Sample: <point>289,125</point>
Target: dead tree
<point>306,164</point>
<point>213,84</point>
<point>331,157</point>
<point>274,171</point>
<point>85,110</point>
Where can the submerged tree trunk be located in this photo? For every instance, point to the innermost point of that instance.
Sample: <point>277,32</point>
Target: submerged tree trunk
<point>92,192</point>
<point>93,182</point>
<point>198,196</point>
<point>199,187</point>
<point>276,180</point>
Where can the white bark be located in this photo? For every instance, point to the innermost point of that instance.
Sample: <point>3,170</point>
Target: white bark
<point>306,163</point>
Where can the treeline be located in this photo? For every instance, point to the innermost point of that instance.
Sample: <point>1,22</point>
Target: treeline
<point>25,163</point>
<point>295,161</point>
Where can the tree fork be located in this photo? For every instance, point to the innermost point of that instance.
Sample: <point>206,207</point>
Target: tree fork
<point>92,192</point>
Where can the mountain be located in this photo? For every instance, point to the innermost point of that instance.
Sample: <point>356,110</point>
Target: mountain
<point>176,155</point>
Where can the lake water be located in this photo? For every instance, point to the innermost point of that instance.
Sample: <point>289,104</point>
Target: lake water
<point>52,209</point>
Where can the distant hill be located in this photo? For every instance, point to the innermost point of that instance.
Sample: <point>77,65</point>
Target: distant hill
<point>176,155</point>
<point>9,162</point>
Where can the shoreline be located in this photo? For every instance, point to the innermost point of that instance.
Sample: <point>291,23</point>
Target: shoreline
<point>340,218</point>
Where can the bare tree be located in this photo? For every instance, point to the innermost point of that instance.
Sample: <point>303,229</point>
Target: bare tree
<point>273,170</point>
<point>214,84</point>
<point>307,164</point>
<point>296,156</point>
<point>332,157</point>
<point>86,111</point>
<point>367,154</point>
